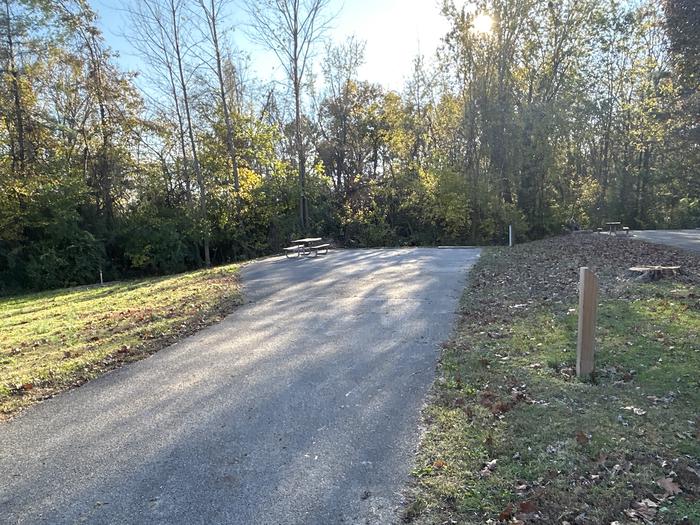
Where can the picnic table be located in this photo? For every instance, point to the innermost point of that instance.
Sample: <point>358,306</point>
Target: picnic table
<point>613,226</point>
<point>306,246</point>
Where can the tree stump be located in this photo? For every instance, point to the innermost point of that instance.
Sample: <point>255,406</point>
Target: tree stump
<point>654,273</point>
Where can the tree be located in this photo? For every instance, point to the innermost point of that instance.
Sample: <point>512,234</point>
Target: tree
<point>555,113</point>
<point>18,146</point>
<point>335,113</point>
<point>291,29</point>
<point>159,26</point>
<point>212,11</point>
<point>683,23</point>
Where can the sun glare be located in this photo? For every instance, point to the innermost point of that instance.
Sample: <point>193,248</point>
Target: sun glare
<point>482,24</point>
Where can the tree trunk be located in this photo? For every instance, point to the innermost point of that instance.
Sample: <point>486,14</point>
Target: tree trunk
<point>303,213</point>
<point>103,175</point>
<point>190,132</point>
<point>181,136</point>
<point>19,154</point>
<point>230,145</point>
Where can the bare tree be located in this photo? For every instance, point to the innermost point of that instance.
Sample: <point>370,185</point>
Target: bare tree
<point>149,29</point>
<point>290,29</point>
<point>158,34</point>
<point>212,13</point>
<point>340,68</point>
<point>12,69</point>
<point>100,76</point>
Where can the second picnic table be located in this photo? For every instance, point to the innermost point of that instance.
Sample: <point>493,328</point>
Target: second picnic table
<point>613,226</point>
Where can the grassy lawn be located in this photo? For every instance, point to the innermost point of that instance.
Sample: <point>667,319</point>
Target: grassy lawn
<point>513,437</point>
<point>56,340</point>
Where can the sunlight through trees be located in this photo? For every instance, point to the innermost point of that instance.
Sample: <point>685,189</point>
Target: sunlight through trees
<point>543,115</point>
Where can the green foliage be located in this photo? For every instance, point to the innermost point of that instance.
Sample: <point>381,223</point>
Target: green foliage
<point>58,263</point>
<point>154,243</point>
<point>567,114</point>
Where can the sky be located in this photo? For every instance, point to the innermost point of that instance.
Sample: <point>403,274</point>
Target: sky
<point>395,31</point>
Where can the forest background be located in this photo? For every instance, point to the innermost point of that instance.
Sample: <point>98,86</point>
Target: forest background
<point>547,115</point>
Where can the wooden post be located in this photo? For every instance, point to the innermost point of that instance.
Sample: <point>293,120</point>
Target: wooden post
<point>510,235</point>
<point>101,280</point>
<point>587,309</point>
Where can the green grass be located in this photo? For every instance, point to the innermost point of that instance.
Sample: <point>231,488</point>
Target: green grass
<point>565,449</point>
<point>56,340</point>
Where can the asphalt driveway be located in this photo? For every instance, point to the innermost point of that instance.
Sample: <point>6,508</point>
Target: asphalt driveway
<point>685,239</point>
<point>300,408</point>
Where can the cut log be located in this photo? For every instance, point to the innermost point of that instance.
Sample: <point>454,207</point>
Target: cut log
<point>654,273</point>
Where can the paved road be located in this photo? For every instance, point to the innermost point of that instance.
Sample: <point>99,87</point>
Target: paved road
<point>300,408</point>
<point>686,239</point>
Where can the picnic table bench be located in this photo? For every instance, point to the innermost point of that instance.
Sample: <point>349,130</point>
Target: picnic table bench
<point>306,246</point>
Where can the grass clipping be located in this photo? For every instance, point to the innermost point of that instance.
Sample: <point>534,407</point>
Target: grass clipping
<point>514,437</point>
<point>57,340</point>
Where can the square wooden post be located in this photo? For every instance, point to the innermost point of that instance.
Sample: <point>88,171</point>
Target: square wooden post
<point>511,241</point>
<point>587,311</point>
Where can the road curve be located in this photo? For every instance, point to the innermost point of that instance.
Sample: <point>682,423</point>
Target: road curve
<point>685,239</point>
<point>302,407</point>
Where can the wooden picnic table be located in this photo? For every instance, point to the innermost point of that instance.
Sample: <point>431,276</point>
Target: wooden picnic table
<point>613,226</point>
<point>306,246</point>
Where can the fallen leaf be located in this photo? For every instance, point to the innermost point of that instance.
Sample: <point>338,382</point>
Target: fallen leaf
<point>458,402</point>
<point>486,398</point>
<point>507,513</point>
<point>501,407</point>
<point>488,469</point>
<point>527,507</point>
<point>642,510</point>
<point>582,438</point>
<point>672,488</point>
<point>439,464</point>
<point>602,458</point>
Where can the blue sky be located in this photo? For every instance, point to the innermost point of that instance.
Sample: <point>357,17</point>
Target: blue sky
<point>395,30</point>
